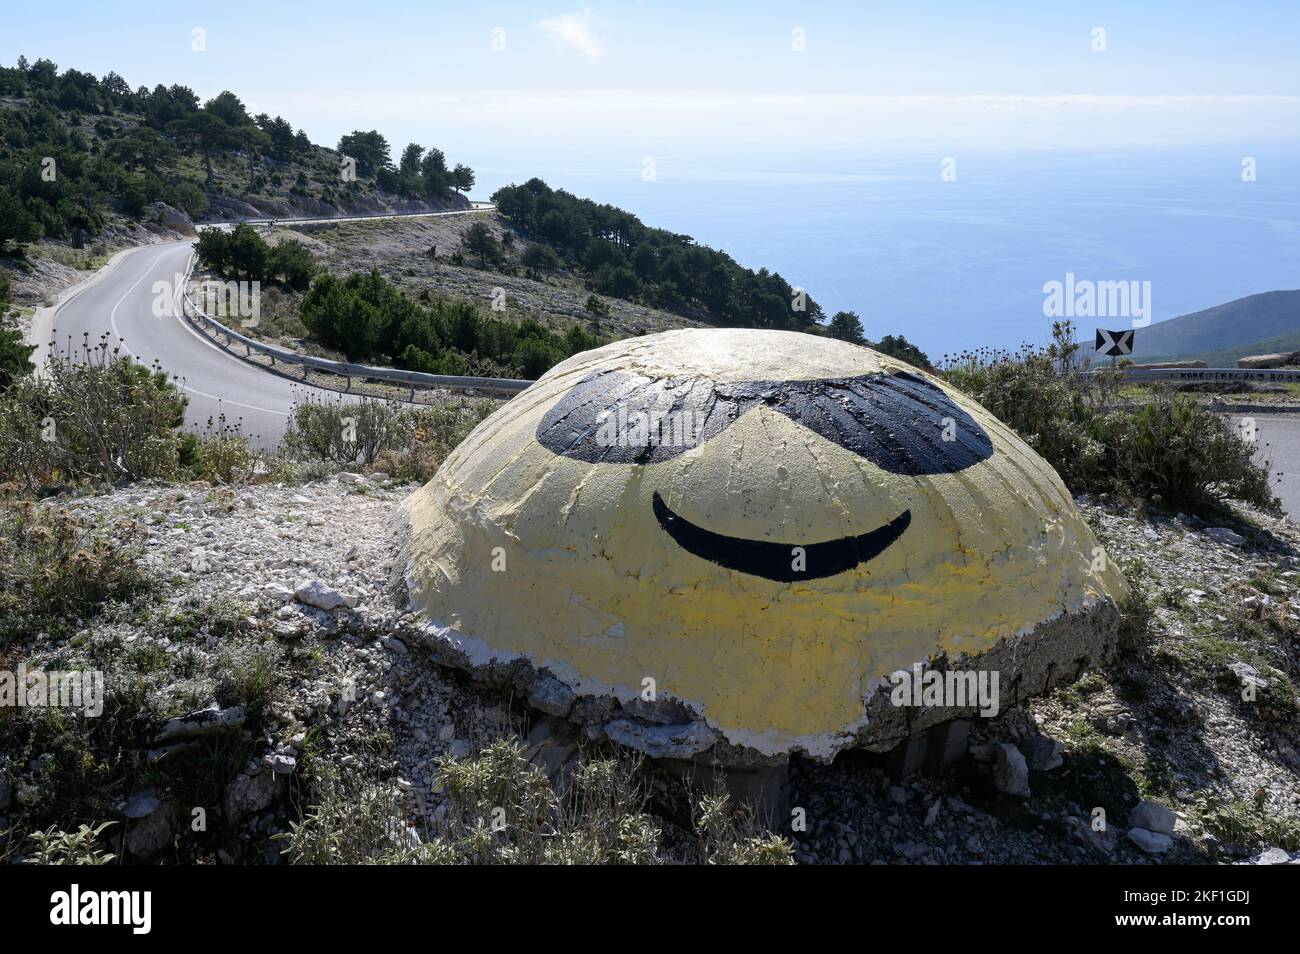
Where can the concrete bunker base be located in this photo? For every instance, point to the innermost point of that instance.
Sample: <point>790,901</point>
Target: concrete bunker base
<point>917,737</point>
<point>930,752</point>
<point>1055,652</point>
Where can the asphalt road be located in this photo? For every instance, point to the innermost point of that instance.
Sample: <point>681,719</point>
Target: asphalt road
<point>1278,436</point>
<point>120,302</point>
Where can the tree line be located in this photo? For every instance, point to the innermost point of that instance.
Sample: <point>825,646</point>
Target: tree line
<point>620,256</point>
<point>80,146</point>
<point>244,254</point>
<point>370,319</point>
<point>418,174</point>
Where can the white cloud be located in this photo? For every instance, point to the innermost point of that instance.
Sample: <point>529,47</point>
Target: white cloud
<point>575,30</point>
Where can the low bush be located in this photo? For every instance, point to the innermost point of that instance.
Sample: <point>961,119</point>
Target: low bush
<point>407,442</point>
<point>54,564</point>
<point>221,454</point>
<point>501,809</point>
<point>56,847</point>
<point>93,415</point>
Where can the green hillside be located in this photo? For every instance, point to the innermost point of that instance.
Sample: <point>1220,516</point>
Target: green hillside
<point>1227,357</point>
<point>1240,327</point>
<point>78,152</point>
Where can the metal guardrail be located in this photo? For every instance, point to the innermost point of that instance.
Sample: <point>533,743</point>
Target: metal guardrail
<point>326,219</point>
<point>1211,375</point>
<point>411,379</point>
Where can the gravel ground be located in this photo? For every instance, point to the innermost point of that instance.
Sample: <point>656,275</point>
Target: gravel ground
<point>1164,723</point>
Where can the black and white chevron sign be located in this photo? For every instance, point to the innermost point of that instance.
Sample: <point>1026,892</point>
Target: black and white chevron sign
<point>1114,342</point>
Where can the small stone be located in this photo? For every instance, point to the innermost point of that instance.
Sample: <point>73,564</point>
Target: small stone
<point>394,645</point>
<point>142,804</point>
<point>203,722</point>
<point>1152,816</point>
<point>253,790</point>
<point>282,764</point>
<point>1224,535</point>
<point>550,695</point>
<point>911,850</point>
<point>1041,753</point>
<point>315,593</point>
<point>1248,675</point>
<point>1010,772</point>
<point>1153,843</point>
<point>1272,856</point>
<point>460,749</point>
<point>153,830</point>
<point>277,592</point>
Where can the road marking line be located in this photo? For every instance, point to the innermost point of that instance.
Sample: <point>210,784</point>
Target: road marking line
<point>112,321</point>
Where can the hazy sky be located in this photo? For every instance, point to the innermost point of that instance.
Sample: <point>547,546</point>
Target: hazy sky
<point>809,141</point>
<point>739,87</point>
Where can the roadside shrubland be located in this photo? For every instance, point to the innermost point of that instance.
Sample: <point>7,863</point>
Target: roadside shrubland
<point>407,442</point>
<point>502,809</point>
<point>93,416</point>
<point>1168,448</point>
<point>369,318</point>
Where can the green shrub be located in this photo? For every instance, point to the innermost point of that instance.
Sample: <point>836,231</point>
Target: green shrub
<point>15,353</point>
<point>56,847</point>
<point>408,442</point>
<point>54,563</point>
<point>1168,448</point>
<point>94,415</point>
<point>1248,825</point>
<point>502,809</point>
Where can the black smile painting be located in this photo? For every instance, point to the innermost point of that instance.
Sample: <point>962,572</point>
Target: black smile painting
<point>775,561</point>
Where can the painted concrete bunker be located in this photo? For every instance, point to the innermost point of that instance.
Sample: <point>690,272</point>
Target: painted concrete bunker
<point>759,528</point>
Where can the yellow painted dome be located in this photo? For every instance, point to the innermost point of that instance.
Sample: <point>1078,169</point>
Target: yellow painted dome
<point>763,524</point>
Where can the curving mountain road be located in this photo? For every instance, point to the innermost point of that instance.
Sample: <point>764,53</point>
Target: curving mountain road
<point>119,301</point>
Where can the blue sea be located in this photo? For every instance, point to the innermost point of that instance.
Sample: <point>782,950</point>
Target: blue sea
<point>960,264</point>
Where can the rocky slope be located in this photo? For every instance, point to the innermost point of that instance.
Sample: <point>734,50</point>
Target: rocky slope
<point>272,644</point>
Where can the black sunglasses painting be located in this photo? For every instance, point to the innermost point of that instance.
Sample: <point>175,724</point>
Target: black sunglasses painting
<point>900,422</point>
